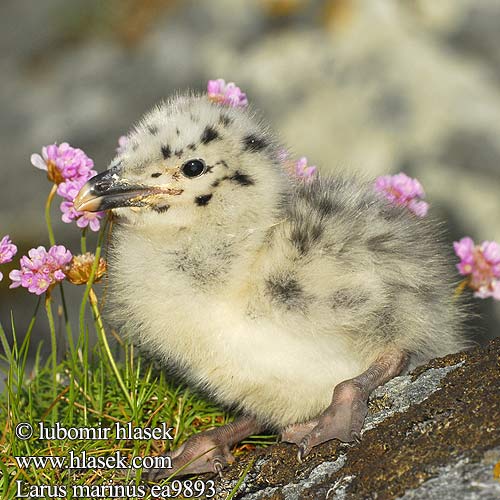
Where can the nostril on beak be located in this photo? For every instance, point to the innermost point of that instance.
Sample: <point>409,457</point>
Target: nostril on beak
<point>102,186</point>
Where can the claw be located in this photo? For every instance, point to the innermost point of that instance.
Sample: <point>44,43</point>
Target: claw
<point>304,450</point>
<point>218,466</point>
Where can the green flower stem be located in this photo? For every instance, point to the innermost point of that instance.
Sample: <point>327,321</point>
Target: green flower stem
<point>83,333</point>
<point>47,214</point>
<point>53,340</point>
<point>33,318</point>
<point>89,294</point>
<point>83,241</point>
<point>102,335</point>
<point>52,241</point>
<point>27,337</point>
<point>67,323</point>
<point>91,277</point>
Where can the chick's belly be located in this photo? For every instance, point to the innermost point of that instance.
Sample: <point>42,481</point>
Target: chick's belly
<point>279,374</point>
<point>281,378</point>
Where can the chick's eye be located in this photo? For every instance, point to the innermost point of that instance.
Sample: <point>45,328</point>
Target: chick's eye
<point>193,168</point>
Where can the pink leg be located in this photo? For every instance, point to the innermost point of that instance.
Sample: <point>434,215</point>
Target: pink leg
<point>207,451</point>
<point>344,418</point>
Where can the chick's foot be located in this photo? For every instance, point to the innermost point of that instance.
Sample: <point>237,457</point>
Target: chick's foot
<point>344,417</point>
<point>205,452</point>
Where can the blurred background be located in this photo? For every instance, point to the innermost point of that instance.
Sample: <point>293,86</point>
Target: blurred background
<point>374,86</point>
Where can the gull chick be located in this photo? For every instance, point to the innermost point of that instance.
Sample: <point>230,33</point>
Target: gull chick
<point>284,300</point>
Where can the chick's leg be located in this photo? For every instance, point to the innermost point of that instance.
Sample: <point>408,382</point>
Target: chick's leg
<point>344,418</point>
<point>207,451</point>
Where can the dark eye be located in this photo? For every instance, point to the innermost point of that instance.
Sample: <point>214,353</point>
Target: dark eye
<point>193,168</point>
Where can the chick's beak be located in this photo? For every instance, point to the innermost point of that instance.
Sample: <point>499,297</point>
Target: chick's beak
<point>108,190</point>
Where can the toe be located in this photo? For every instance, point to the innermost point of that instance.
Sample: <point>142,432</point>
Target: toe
<point>295,433</point>
<point>343,422</point>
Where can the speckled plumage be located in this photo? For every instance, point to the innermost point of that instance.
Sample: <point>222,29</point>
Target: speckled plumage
<point>267,291</point>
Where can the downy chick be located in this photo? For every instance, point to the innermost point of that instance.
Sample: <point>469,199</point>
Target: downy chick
<point>289,301</point>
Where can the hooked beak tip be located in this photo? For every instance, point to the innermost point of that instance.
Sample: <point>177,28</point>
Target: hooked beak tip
<point>86,200</point>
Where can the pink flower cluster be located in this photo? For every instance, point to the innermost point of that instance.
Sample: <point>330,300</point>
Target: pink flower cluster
<point>122,144</point>
<point>7,251</point>
<point>41,269</point>
<point>402,190</point>
<point>299,169</point>
<point>303,170</point>
<point>226,93</point>
<point>69,190</point>
<point>482,264</point>
<point>64,163</point>
<point>70,168</point>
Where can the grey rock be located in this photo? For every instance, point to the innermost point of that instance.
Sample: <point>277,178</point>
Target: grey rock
<point>461,479</point>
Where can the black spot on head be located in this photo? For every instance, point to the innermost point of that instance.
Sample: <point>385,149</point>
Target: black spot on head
<point>191,146</point>
<point>166,152</point>
<point>225,120</point>
<point>203,200</point>
<point>135,146</point>
<point>284,289</point>
<point>178,152</point>
<point>177,131</point>
<point>161,209</point>
<point>209,134</point>
<point>156,174</point>
<point>218,181</point>
<point>242,179</point>
<point>222,162</point>
<point>253,143</point>
<point>153,129</point>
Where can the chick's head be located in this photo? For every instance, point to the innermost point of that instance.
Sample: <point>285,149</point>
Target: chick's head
<point>187,161</point>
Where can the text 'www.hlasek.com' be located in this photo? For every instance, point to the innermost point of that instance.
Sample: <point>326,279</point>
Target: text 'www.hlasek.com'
<point>77,462</point>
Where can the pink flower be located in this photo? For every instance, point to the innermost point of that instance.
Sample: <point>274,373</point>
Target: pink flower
<point>402,190</point>
<point>7,251</point>
<point>304,171</point>
<point>68,190</point>
<point>226,93</point>
<point>482,264</point>
<point>41,269</point>
<point>64,163</point>
<point>90,219</point>
<point>122,144</point>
